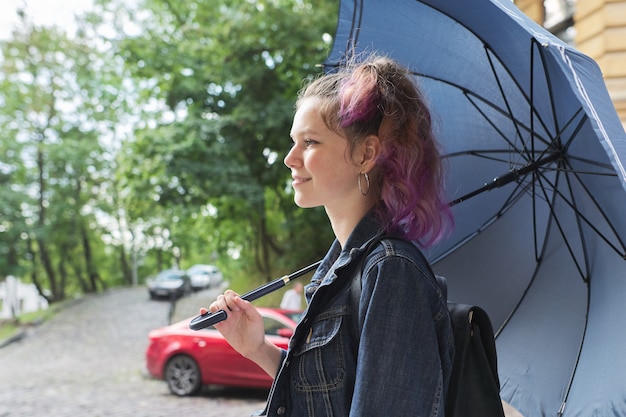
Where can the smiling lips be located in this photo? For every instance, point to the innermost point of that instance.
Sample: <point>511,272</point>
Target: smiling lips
<point>299,180</point>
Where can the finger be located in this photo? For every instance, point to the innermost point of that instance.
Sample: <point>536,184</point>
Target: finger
<point>242,304</point>
<point>203,311</point>
<point>218,304</point>
<point>231,298</point>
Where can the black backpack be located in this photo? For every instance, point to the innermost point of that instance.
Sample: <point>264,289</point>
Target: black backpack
<point>474,389</point>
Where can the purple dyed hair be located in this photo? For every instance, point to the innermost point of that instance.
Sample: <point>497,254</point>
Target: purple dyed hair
<point>377,97</point>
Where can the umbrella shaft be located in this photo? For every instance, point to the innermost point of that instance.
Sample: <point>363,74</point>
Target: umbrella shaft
<point>509,177</point>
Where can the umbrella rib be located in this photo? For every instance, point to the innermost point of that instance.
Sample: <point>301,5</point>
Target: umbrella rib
<point>577,129</point>
<point>468,93</point>
<point>504,96</point>
<point>353,37</point>
<point>581,232</point>
<point>563,148</point>
<point>553,216</point>
<point>355,29</point>
<point>534,201</point>
<point>536,49</point>
<point>489,53</point>
<point>570,382</point>
<point>535,46</point>
<point>480,153</point>
<point>528,129</point>
<point>489,50</point>
<point>610,172</point>
<point>486,154</point>
<point>620,251</point>
<point>508,318</point>
<point>513,197</point>
<point>508,113</point>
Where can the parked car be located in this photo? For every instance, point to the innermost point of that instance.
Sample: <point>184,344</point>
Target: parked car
<point>169,283</point>
<point>205,276</point>
<point>189,359</point>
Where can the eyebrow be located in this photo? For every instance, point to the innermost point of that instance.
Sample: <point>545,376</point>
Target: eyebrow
<point>306,130</point>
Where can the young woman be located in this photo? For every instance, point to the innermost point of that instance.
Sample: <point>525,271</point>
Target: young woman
<point>363,148</point>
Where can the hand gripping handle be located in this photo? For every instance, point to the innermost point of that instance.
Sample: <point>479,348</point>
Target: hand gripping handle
<point>209,319</point>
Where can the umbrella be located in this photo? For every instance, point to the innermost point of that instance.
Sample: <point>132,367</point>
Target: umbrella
<point>536,157</point>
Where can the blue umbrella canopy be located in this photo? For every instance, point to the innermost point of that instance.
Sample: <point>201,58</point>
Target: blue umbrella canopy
<point>536,157</point>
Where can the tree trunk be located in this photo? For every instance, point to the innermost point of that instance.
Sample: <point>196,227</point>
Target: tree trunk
<point>92,273</point>
<point>33,275</point>
<point>63,275</point>
<point>127,272</point>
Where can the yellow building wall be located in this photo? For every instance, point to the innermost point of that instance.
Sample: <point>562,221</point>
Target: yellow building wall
<point>533,9</point>
<point>601,34</point>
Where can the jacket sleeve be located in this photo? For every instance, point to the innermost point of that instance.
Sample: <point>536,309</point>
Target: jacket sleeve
<point>399,368</point>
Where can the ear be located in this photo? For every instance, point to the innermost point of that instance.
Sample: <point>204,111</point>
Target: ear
<point>370,149</point>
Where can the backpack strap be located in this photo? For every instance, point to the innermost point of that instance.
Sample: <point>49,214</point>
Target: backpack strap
<point>356,287</point>
<point>356,284</point>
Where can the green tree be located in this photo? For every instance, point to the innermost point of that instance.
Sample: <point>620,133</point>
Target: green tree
<point>228,73</point>
<point>59,97</point>
<point>154,137</point>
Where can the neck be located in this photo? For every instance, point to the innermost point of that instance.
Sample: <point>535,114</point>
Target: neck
<point>345,219</point>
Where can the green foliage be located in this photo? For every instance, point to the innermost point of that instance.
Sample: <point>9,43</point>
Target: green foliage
<point>229,71</point>
<point>57,108</point>
<point>126,151</point>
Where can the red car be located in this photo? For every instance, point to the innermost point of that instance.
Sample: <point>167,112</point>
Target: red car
<point>188,359</point>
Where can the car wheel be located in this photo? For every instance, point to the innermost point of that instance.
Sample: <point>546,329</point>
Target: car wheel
<point>182,375</point>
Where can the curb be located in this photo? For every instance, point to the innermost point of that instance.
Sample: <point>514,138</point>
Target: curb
<point>19,335</point>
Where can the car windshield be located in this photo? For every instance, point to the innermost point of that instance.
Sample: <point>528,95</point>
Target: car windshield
<point>202,270</point>
<point>170,276</point>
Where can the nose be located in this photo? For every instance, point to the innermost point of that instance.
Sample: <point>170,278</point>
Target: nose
<point>292,158</point>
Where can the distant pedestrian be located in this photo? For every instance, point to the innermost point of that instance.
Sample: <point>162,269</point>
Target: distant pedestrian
<point>292,300</point>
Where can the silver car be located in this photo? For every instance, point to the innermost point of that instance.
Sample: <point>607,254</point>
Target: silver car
<point>170,283</point>
<point>204,276</point>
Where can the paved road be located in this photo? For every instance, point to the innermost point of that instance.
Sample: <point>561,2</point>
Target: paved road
<point>88,361</point>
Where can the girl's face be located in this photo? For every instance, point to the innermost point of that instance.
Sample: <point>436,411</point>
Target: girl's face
<point>322,171</point>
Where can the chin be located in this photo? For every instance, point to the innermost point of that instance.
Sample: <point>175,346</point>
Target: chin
<point>303,203</point>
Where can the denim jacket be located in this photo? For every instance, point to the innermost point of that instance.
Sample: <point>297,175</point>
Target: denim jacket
<point>402,364</point>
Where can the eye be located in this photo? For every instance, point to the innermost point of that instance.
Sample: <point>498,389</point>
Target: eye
<point>309,142</point>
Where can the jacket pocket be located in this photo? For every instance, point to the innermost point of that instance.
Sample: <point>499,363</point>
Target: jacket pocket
<point>319,361</point>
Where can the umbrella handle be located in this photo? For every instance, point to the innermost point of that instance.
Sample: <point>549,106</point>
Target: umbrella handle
<point>209,319</point>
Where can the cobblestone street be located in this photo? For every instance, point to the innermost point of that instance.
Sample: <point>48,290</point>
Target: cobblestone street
<point>89,361</point>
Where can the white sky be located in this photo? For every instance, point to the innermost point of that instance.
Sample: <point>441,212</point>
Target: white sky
<point>42,12</point>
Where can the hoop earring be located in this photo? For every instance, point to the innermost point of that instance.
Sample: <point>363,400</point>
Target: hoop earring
<point>367,181</point>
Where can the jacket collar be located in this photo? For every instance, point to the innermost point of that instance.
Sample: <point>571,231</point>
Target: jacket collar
<point>338,258</point>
